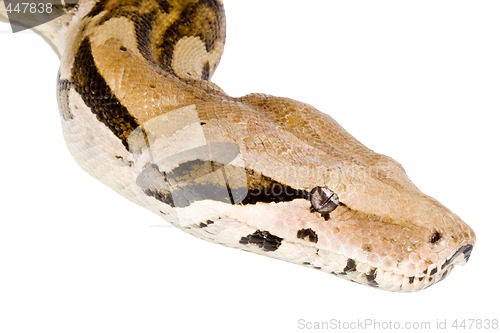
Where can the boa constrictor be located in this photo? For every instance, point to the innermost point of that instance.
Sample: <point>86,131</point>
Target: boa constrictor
<point>260,173</point>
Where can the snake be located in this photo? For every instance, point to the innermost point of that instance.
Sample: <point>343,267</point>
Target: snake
<point>264,174</point>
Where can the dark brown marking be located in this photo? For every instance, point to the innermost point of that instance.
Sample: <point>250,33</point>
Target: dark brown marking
<point>203,19</point>
<point>98,8</point>
<point>411,279</point>
<point>433,271</point>
<point>205,74</point>
<point>308,233</point>
<point>350,266</point>
<point>206,223</point>
<point>371,276</point>
<point>201,180</point>
<point>160,196</point>
<point>198,180</point>
<point>153,182</point>
<point>130,9</point>
<point>269,190</point>
<point>143,27</point>
<point>97,95</point>
<point>192,193</point>
<point>165,6</point>
<point>263,239</point>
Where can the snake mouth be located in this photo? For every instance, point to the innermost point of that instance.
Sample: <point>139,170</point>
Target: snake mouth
<point>430,276</point>
<point>460,257</point>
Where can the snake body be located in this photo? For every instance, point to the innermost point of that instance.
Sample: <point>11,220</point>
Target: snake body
<point>260,173</point>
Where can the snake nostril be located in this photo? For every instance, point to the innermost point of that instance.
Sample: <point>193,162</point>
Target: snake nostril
<point>436,236</point>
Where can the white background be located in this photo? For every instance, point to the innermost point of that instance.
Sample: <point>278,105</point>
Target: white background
<point>416,80</point>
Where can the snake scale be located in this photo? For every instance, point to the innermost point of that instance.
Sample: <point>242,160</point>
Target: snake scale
<point>264,174</point>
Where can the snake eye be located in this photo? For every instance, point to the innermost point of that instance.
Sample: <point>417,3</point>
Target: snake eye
<point>323,200</point>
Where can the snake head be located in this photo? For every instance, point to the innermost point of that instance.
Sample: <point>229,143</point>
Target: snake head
<point>387,232</point>
<point>372,228</point>
<point>361,218</point>
<point>317,199</point>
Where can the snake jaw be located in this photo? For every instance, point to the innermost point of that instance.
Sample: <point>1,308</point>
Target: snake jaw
<point>387,256</point>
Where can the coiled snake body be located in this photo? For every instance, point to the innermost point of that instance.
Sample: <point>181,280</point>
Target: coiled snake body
<point>264,174</point>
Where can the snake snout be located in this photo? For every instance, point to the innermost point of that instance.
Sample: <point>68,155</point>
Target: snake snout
<point>461,256</point>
